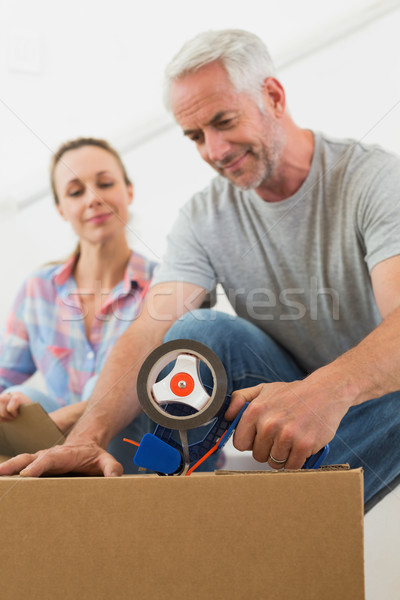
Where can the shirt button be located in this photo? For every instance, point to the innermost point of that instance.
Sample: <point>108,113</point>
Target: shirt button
<point>90,354</point>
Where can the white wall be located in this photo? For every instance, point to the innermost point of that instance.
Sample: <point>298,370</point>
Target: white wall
<point>86,66</point>
<point>97,70</point>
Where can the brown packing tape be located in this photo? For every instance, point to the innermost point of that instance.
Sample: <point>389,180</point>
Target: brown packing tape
<point>158,359</point>
<point>31,431</point>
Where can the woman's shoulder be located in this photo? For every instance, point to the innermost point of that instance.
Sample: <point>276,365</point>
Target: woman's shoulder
<point>47,272</point>
<point>42,278</point>
<point>38,285</point>
<point>141,266</point>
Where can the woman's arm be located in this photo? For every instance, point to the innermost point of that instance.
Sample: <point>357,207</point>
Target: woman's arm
<point>66,417</point>
<point>16,361</point>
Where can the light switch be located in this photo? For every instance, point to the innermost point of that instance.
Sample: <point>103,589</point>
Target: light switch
<point>24,52</point>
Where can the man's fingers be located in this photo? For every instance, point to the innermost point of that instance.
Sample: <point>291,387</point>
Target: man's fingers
<point>49,461</point>
<point>239,399</point>
<point>246,430</point>
<point>109,466</point>
<point>16,464</point>
<point>88,459</point>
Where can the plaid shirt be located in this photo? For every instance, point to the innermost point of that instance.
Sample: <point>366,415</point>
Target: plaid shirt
<point>45,330</point>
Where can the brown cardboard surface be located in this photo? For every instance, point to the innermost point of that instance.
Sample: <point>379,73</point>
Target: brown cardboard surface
<point>31,431</point>
<point>242,536</point>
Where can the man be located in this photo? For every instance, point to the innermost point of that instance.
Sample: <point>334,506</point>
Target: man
<point>301,231</point>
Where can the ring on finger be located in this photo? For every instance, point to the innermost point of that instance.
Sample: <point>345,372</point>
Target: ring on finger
<point>275,460</point>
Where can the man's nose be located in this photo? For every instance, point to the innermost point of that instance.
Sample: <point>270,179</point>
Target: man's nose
<point>217,147</point>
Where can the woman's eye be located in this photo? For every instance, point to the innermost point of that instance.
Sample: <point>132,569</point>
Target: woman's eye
<point>106,184</point>
<point>74,193</point>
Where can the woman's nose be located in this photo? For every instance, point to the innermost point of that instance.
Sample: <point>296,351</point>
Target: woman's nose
<point>93,197</point>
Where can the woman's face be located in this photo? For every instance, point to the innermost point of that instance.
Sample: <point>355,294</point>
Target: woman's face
<point>92,193</point>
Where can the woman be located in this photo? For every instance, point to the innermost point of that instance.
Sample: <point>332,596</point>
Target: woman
<point>67,317</point>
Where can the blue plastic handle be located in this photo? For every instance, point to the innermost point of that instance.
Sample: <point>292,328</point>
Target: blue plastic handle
<point>315,461</point>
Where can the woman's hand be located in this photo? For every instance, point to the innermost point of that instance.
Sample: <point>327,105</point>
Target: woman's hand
<point>10,403</point>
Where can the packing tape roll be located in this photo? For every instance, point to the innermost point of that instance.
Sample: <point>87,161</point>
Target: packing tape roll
<point>154,364</point>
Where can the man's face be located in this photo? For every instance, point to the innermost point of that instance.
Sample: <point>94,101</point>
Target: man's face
<point>231,133</point>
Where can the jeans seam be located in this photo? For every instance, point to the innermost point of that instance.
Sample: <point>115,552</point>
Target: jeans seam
<point>253,376</point>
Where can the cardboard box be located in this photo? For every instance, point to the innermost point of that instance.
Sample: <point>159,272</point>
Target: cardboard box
<point>237,536</point>
<point>31,431</point>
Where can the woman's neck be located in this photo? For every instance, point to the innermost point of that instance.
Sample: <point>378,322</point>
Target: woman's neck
<point>102,265</point>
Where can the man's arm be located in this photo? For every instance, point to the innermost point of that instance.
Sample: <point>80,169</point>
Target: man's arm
<point>114,402</point>
<point>294,420</point>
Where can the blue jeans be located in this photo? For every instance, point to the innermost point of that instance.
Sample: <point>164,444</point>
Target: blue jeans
<point>120,450</point>
<point>368,435</point>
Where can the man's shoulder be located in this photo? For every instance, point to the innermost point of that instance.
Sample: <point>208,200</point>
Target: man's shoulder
<point>352,153</point>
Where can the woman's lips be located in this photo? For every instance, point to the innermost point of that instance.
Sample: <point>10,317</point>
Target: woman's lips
<point>100,218</point>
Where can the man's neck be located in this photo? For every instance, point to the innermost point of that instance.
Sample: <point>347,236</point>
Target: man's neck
<point>293,168</point>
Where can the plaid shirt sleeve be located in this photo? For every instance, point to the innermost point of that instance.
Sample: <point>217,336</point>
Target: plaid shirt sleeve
<point>16,361</point>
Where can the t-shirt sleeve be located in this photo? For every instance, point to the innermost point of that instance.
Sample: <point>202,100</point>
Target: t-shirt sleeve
<point>379,212</point>
<point>186,258</point>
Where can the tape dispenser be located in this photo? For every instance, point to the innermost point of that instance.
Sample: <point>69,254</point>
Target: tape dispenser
<point>190,415</point>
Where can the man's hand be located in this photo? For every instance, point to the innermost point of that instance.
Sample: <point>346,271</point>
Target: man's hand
<point>10,403</point>
<point>88,459</point>
<point>286,421</point>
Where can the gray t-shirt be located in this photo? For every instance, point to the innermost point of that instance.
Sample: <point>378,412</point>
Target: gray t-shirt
<point>299,269</point>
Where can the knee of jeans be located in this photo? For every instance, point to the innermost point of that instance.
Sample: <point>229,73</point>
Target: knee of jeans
<point>197,325</point>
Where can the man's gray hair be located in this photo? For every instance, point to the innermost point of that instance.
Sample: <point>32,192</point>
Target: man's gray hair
<point>243,55</point>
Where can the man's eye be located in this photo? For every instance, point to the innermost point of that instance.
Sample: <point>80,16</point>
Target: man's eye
<point>225,123</point>
<point>195,138</point>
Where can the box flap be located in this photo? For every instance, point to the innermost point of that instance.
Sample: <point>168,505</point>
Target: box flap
<point>31,431</point>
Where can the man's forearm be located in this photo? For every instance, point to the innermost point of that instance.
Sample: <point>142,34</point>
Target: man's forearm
<point>114,402</point>
<point>369,370</point>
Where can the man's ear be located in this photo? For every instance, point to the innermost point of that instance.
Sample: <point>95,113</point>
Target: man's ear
<point>274,96</point>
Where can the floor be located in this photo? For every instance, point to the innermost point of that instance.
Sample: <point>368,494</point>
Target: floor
<point>381,535</point>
